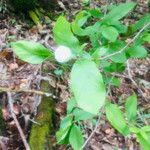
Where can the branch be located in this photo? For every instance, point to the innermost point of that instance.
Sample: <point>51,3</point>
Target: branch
<point>128,44</point>
<point>5,89</point>
<point>16,122</point>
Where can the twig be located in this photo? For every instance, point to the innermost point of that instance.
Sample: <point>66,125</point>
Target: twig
<point>5,89</point>
<point>93,132</point>
<point>131,78</point>
<point>124,48</point>
<point>119,75</point>
<point>16,122</point>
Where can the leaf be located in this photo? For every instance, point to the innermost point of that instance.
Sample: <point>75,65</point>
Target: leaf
<point>146,128</point>
<point>143,139</point>
<point>64,36</point>
<point>87,86</point>
<point>131,107</point>
<point>119,12</point>
<point>139,24</point>
<point>80,114</point>
<point>113,48</point>
<point>82,17</point>
<point>66,122</point>
<point>76,139</point>
<point>63,134</point>
<point>146,38</point>
<point>112,66</point>
<point>119,26</point>
<point>79,31</point>
<point>110,33</point>
<point>112,81</point>
<point>31,52</point>
<point>116,118</point>
<point>143,136</point>
<point>95,13</point>
<point>71,104</point>
<point>134,129</point>
<point>137,52</point>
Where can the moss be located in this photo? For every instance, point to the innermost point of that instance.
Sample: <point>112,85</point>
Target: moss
<point>40,134</point>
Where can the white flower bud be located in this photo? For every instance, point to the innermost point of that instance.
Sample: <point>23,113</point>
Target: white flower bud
<point>63,54</point>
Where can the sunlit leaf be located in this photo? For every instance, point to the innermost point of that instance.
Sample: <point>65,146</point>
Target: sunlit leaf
<point>87,86</point>
<point>64,36</point>
<point>119,12</point>
<point>31,52</point>
<point>131,107</point>
<point>116,118</point>
<point>76,138</point>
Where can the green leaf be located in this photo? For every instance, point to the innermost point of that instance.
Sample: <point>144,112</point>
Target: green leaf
<point>139,24</point>
<point>112,81</point>
<point>146,38</point>
<point>66,122</point>
<point>113,48</point>
<point>119,26</point>
<point>76,139</point>
<point>137,52</point>
<point>79,31</point>
<point>146,128</point>
<point>64,36</point>
<point>31,52</point>
<point>71,104</point>
<point>131,107</point>
<point>80,114</point>
<point>116,118</point>
<point>87,86</point>
<point>95,13</point>
<point>63,134</point>
<point>119,12</point>
<point>134,129</point>
<point>143,136</point>
<point>82,17</point>
<point>144,140</point>
<point>112,66</point>
<point>110,33</point>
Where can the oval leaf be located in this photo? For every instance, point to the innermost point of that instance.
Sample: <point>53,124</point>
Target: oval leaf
<point>87,86</point>
<point>75,138</point>
<point>63,134</point>
<point>143,139</point>
<point>31,52</point>
<point>110,33</point>
<point>115,117</point>
<point>63,34</point>
<point>131,107</point>
<point>119,12</point>
<point>137,52</point>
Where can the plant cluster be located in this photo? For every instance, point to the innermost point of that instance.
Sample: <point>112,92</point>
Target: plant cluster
<point>96,45</point>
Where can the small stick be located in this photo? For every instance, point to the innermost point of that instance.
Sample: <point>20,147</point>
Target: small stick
<point>5,89</point>
<point>93,132</point>
<point>16,122</point>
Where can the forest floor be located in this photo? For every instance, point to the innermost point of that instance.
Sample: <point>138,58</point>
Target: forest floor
<point>16,74</point>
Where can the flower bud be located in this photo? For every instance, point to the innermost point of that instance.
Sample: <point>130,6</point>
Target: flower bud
<point>63,54</point>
